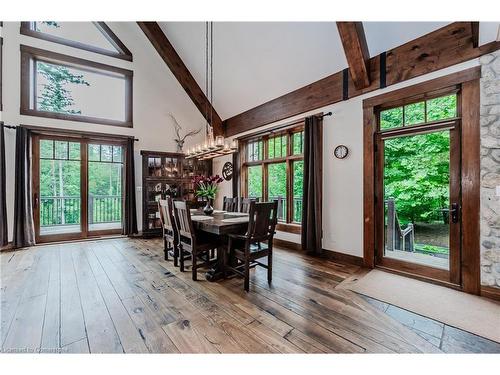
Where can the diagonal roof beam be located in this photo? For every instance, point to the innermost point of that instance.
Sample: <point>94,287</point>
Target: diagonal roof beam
<point>353,39</point>
<point>167,52</point>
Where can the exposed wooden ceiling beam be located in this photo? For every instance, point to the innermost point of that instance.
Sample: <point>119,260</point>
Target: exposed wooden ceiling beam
<point>353,40</point>
<point>475,34</point>
<point>439,49</point>
<point>167,52</point>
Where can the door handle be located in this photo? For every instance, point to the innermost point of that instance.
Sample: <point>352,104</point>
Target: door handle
<point>453,211</point>
<point>35,201</point>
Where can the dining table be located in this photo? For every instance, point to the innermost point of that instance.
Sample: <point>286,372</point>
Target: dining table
<point>220,223</point>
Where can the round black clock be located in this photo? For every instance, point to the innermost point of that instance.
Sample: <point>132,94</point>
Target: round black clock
<point>227,171</point>
<point>341,152</point>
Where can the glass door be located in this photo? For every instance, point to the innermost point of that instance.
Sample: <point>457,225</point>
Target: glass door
<point>77,188</point>
<point>419,205</point>
<point>58,198</point>
<point>105,188</point>
<point>418,187</point>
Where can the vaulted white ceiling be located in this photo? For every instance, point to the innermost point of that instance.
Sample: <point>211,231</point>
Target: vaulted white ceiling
<point>258,61</point>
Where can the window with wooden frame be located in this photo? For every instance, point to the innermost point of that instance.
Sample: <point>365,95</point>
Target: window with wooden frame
<point>69,88</point>
<point>272,169</point>
<point>95,37</point>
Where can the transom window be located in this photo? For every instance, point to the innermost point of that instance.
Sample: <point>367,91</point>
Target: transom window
<point>420,112</point>
<point>68,88</point>
<point>273,170</point>
<point>90,36</point>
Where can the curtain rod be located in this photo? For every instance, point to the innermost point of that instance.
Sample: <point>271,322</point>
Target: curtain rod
<point>7,126</point>
<point>66,131</point>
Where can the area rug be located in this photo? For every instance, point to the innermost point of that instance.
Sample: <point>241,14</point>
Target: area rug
<point>470,313</point>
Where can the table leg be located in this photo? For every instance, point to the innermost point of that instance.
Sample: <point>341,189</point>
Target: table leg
<point>215,273</point>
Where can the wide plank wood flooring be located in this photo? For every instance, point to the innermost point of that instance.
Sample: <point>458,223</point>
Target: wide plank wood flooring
<point>120,296</point>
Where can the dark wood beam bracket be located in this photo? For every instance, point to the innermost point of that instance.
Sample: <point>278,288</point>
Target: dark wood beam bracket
<point>167,52</point>
<point>475,34</point>
<point>353,40</point>
<point>447,46</point>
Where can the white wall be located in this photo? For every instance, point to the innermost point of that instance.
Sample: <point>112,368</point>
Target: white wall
<point>156,93</point>
<point>342,179</point>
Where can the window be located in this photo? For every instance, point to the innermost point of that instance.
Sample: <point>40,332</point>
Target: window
<point>90,36</point>
<point>273,170</point>
<point>69,88</point>
<point>420,112</point>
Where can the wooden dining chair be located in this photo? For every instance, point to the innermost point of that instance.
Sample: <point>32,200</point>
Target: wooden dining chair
<point>195,244</point>
<point>169,228</point>
<point>245,204</point>
<point>230,204</point>
<point>249,247</point>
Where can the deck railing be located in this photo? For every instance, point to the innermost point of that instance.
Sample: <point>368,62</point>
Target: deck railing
<point>297,208</point>
<point>66,210</point>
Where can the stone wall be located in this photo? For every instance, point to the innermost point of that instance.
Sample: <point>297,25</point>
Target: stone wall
<point>490,169</point>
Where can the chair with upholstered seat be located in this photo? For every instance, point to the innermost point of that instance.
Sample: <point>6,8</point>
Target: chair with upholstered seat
<point>197,244</point>
<point>257,243</point>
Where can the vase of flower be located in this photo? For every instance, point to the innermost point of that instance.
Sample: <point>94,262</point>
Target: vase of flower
<point>208,209</point>
<point>207,187</point>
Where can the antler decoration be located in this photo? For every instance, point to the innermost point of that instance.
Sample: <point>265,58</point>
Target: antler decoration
<point>180,140</point>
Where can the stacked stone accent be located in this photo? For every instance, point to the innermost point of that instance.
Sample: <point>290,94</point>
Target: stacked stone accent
<point>490,169</point>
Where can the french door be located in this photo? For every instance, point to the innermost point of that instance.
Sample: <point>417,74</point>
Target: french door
<point>418,200</point>
<point>77,187</point>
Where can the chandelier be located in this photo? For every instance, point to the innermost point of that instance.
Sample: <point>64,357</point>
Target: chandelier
<point>211,147</point>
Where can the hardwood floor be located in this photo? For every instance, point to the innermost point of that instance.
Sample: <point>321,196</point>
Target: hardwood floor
<point>120,296</point>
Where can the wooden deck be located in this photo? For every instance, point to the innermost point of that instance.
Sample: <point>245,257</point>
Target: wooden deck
<point>121,296</point>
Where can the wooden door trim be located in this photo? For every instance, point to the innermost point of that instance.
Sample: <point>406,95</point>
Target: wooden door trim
<point>468,100</point>
<point>471,144</point>
<point>84,140</point>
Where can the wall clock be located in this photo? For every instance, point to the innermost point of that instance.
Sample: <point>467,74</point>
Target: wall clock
<point>227,171</point>
<point>341,152</point>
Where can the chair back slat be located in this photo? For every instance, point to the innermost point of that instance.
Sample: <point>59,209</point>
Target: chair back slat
<point>167,214</point>
<point>245,204</point>
<point>230,204</point>
<point>183,217</point>
<point>262,220</point>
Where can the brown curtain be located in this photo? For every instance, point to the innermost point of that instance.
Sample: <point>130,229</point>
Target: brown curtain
<point>311,200</point>
<point>3,203</point>
<point>236,174</point>
<point>24,229</point>
<point>130,214</point>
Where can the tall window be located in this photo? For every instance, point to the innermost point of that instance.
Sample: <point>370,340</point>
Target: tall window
<point>272,169</point>
<point>68,88</point>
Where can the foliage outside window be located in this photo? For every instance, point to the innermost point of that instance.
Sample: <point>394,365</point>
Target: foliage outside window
<point>274,171</point>
<point>68,88</point>
<point>96,37</point>
<point>60,183</point>
<point>60,194</point>
<point>416,173</point>
<point>440,108</point>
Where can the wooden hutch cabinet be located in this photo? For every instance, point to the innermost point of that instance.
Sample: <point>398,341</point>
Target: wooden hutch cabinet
<point>167,174</point>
